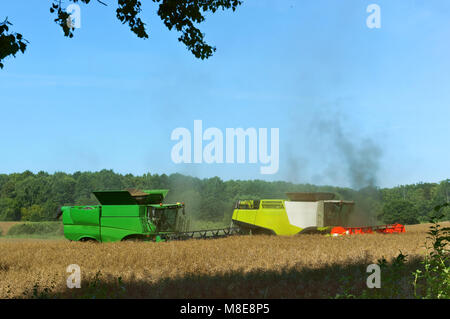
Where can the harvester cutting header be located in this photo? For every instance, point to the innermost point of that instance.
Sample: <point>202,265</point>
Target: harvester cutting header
<point>141,215</point>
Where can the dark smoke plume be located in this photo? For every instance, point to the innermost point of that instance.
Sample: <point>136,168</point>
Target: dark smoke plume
<point>338,153</point>
<point>360,157</point>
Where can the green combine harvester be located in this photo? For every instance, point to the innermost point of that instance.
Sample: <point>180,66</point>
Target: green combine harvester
<point>131,215</point>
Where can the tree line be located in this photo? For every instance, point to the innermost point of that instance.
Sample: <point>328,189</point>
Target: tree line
<point>35,197</point>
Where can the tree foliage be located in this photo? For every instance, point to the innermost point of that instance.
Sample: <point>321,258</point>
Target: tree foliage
<point>181,15</point>
<point>29,196</point>
<point>10,42</point>
<point>400,211</point>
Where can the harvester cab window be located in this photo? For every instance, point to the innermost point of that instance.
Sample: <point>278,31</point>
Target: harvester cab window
<point>170,215</point>
<point>164,218</point>
<point>272,204</point>
<point>151,214</point>
<point>247,204</point>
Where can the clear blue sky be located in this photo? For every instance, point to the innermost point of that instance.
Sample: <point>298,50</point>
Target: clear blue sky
<point>106,99</point>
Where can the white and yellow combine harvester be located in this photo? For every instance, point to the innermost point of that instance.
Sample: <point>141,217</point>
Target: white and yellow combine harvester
<point>302,213</point>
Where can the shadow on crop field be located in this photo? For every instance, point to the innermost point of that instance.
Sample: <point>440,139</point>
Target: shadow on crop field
<point>337,281</point>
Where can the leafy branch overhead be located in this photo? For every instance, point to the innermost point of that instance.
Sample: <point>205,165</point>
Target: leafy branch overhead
<point>181,15</point>
<point>10,43</point>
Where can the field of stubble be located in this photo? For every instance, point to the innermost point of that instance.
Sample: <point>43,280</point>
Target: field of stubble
<point>307,266</point>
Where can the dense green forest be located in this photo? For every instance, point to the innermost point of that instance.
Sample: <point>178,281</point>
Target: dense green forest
<point>35,197</point>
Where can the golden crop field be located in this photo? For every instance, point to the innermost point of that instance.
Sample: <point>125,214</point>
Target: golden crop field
<point>258,266</point>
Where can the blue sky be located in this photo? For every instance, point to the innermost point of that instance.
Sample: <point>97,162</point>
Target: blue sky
<point>106,99</point>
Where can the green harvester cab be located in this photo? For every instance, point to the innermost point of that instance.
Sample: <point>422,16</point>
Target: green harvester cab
<point>124,215</point>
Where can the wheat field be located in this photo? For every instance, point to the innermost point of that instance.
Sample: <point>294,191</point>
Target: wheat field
<point>258,266</point>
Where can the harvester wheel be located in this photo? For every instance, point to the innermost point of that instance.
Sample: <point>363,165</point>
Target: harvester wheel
<point>261,231</point>
<point>244,231</point>
<point>88,240</point>
<point>132,239</point>
<point>315,231</point>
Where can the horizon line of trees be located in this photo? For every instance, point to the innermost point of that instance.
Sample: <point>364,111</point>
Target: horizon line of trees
<point>35,197</point>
